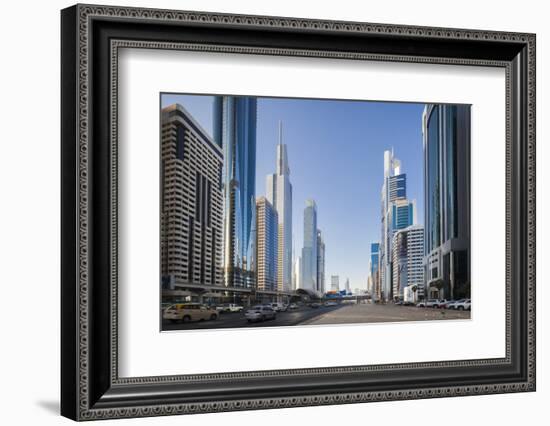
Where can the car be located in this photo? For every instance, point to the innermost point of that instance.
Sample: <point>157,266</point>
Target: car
<point>233,307</point>
<point>427,303</point>
<point>229,307</point>
<point>433,303</point>
<point>451,304</point>
<point>314,305</point>
<point>260,313</point>
<point>330,303</point>
<point>186,312</point>
<point>278,307</point>
<point>408,303</point>
<point>465,305</point>
<point>398,303</point>
<point>293,306</point>
<point>440,304</point>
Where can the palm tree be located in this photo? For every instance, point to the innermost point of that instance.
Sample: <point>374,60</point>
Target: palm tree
<point>438,284</point>
<point>414,289</point>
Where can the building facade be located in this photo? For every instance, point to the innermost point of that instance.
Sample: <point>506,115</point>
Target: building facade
<point>320,263</point>
<point>234,129</point>
<point>267,224</point>
<point>279,194</point>
<point>191,201</point>
<point>396,213</point>
<point>374,276</point>
<point>309,250</point>
<point>407,263</point>
<point>446,141</point>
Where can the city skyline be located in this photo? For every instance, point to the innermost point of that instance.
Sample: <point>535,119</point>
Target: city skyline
<point>362,131</point>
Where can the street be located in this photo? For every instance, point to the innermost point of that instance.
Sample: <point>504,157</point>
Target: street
<point>341,314</point>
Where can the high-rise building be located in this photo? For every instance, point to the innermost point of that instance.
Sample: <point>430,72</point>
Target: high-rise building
<point>446,140</point>
<point>234,128</point>
<point>415,260</point>
<point>347,287</point>
<point>374,276</point>
<point>279,194</point>
<point>267,224</point>
<point>393,194</point>
<point>407,262</point>
<point>335,283</point>
<point>309,251</point>
<point>191,201</point>
<point>320,263</point>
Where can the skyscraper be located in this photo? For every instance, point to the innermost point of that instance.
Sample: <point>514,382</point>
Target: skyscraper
<point>234,128</point>
<point>267,223</point>
<point>348,288</point>
<point>446,137</point>
<point>191,201</point>
<point>320,263</point>
<point>374,276</point>
<point>407,262</point>
<point>394,188</point>
<point>309,251</point>
<point>279,194</point>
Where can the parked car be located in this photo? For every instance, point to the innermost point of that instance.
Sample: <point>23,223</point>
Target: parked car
<point>408,303</point>
<point>293,306</point>
<point>451,304</point>
<point>465,305</point>
<point>398,303</point>
<point>185,312</point>
<point>440,304</point>
<point>330,303</point>
<point>427,303</point>
<point>260,313</point>
<point>314,305</point>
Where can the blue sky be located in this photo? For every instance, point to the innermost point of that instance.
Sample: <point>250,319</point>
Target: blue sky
<point>336,152</point>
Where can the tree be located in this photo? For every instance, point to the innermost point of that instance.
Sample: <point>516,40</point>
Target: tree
<point>438,284</point>
<point>414,289</point>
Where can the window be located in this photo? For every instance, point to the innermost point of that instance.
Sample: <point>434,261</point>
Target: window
<point>180,142</point>
<point>433,184</point>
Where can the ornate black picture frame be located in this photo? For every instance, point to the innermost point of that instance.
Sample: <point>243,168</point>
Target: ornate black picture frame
<point>90,39</point>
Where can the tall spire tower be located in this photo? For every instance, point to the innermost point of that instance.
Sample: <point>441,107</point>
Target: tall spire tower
<point>279,194</point>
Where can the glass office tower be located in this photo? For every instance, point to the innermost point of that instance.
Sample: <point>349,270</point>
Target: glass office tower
<point>446,138</point>
<point>309,251</point>
<point>234,129</point>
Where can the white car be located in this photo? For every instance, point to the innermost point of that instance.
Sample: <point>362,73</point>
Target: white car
<point>465,305</point>
<point>232,307</point>
<point>260,313</point>
<point>229,307</point>
<point>453,303</point>
<point>330,303</point>
<point>278,307</point>
<point>427,304</point>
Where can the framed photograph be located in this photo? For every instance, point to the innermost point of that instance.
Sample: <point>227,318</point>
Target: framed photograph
<point>263,212</point>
